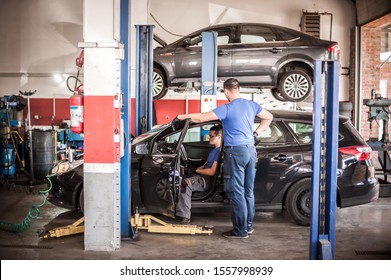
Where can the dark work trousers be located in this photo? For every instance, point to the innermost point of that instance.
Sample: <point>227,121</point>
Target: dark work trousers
<point>192,184</point>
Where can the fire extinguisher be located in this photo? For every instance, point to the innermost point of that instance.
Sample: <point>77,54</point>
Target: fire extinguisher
<point>76,101</point>
<point>77,113</point>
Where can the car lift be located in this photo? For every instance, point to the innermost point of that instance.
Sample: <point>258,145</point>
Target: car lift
<point>138,222</point>
<point>324,161</point>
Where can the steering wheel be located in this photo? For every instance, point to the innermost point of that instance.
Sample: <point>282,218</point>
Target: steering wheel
<point>183,154</point>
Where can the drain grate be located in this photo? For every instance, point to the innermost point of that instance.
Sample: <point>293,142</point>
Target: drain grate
<point>382,253</point>
<point>39,247</point>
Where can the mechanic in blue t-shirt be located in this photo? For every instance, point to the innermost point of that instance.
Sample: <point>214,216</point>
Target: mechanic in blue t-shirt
<point>197,182</point>
<point>239,166</point>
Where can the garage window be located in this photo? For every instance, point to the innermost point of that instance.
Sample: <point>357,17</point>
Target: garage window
<point>385,44</point>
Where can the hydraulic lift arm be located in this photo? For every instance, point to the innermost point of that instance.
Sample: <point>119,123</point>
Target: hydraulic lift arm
<point>74,228</point>
<point>148,222</point>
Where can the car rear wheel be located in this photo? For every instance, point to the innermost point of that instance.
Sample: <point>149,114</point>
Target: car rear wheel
<point>298,202</point>
<point>295,85</point>
<point>159,84</point>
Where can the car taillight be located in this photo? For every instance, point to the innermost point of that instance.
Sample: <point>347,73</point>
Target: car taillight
<point>333,52</point>
<point>360,152</point>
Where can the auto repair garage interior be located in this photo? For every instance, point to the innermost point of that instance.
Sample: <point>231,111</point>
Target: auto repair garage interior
<point>83,83</point>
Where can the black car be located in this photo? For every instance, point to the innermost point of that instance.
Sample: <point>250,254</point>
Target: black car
<point>258,55</point>
<point>162,157</point>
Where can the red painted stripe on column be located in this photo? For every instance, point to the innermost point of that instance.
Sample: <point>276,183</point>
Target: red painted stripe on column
<point>101,119</point>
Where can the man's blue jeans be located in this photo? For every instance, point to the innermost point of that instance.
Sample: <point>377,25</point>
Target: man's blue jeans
<point>239,174</point>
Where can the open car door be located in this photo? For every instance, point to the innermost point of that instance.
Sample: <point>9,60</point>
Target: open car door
<point>161,172</point>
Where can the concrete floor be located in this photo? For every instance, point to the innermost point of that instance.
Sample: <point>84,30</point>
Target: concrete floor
<point>362,233</point>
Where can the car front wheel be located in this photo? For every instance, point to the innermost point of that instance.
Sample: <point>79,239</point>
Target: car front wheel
<point>298,202</point>
<point>159,84</point>
<point>81,201</point>
<point>295,85</point>
<point>277,95</point>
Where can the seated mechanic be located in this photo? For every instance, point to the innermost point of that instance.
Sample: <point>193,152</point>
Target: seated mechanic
<point>197,182</point>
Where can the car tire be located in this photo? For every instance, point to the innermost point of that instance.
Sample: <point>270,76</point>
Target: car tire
<point>346,108</point>
<point>159,84</point>
<point>277,95</point>
<point>81,201</point>
<point>298,202</point>
<point>163,191</point>
<point>295,85</point>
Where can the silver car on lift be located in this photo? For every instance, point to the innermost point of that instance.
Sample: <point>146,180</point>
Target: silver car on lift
<point>258,55</point>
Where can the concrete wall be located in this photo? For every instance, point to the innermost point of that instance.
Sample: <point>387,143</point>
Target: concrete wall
<point>39,39</point>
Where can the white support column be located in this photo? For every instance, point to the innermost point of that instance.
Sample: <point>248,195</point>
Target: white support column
<point>102,53</point>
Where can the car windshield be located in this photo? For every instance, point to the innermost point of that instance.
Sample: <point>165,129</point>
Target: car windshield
<point>155,130</point>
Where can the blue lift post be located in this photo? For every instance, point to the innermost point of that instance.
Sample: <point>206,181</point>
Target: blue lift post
<point>144,99</point>
<point>324,162</point>
<point>208,74</point>
<point>144,72</point>
<point>126,229</point>
<point>209,63</point>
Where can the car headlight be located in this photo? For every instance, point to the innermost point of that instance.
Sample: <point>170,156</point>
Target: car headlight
<point>61,167</point>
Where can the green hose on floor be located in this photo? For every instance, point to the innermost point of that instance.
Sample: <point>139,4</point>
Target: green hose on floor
<point>31,215</point>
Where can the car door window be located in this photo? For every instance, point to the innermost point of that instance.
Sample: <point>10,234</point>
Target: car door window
<point>287,36</point>
<point>302,131</point>
<point>198,134</point>
<point>223,38</point>
<point>173,137</point>
<point>272,135</point>
<point>257,34</point>
<point>251,39</point>
<point>193,134</point>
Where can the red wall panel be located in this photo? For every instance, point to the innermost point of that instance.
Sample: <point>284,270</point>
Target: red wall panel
<point>41,110</point>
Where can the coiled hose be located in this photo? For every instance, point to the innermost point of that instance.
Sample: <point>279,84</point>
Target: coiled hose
<point>32,214</point>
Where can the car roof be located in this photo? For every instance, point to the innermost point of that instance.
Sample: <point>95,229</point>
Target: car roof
<point>287,114</point>
<point>298,33</point>
<point>245,23</point>
<point>302,115</point>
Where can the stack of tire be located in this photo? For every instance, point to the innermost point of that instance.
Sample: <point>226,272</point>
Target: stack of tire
<point>346,108</point>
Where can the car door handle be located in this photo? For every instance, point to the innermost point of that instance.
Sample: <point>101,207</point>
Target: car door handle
<point>282,157</point>
<point>222,53</point>
<point>275,50</point>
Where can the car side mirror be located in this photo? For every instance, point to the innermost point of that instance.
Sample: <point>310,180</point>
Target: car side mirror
<point>142,149</point>
<point>186,42</point>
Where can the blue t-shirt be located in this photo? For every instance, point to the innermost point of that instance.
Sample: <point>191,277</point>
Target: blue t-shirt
<point>213,156</point>
<point>238,120</point>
